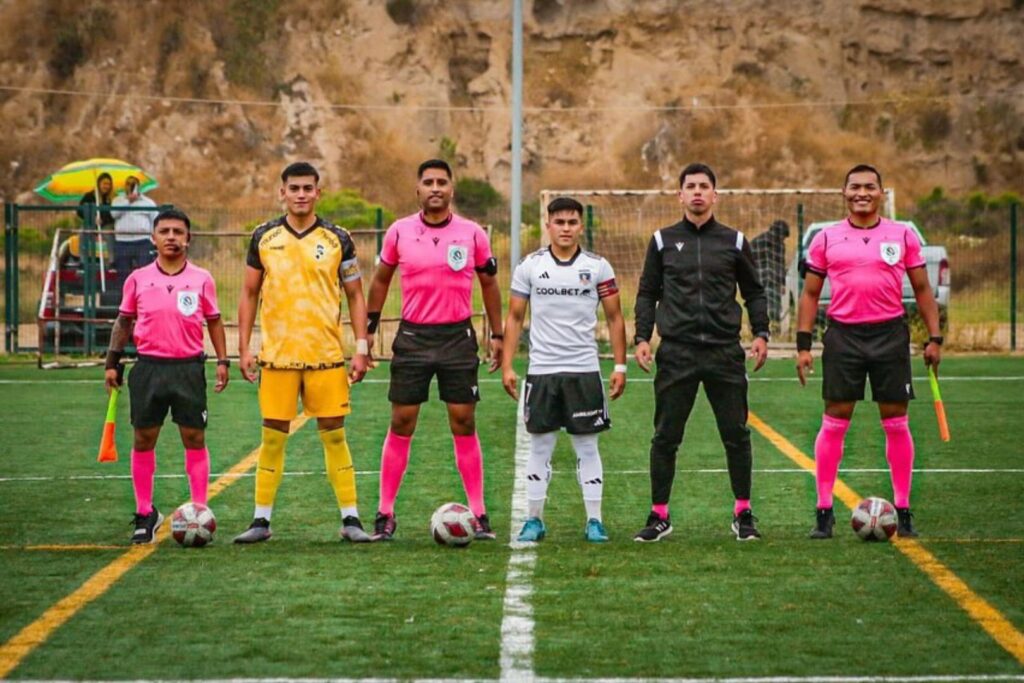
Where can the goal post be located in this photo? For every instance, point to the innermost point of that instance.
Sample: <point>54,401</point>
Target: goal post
<point>618,225</point>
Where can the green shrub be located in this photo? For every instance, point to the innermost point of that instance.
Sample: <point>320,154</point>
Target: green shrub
<point>351,210</point>
<point>476,197</point>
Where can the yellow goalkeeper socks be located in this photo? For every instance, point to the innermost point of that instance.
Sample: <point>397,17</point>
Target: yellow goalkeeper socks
<point>340,471</point>
<point>270,466</point>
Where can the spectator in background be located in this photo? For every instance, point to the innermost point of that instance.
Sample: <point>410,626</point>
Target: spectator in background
<point>132,244</point>
<point>769,250</point>
<point>102,195</point>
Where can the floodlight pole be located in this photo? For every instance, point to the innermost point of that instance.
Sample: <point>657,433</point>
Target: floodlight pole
<point>517,131</point>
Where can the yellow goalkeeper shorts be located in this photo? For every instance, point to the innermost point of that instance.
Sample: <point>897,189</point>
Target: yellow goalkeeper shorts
<point>324,393</point>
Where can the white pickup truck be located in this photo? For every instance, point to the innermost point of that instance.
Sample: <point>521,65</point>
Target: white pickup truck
<point>936,262</point>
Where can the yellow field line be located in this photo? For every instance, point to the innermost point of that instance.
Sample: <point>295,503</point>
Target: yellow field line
<point>988,617</point>
<point>58,547</point>
<point>14,651</point>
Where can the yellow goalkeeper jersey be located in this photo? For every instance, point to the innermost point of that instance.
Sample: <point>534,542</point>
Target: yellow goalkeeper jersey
<point>300,313</point>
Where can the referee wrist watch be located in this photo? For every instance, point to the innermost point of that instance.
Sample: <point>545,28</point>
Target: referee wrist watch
<point>935,340</point>
<point>224,361</point>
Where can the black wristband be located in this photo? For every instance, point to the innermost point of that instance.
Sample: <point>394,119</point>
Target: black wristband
<point>372,322</point>
<point>803,341</point>
<point>113,359</point>
<point>226,362</point>
<point>497,336</point>
<point>935,340</point>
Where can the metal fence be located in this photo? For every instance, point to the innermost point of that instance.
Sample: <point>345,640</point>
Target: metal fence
<point>983,253</point>
<point>71,311</point>
<point>984,311</point>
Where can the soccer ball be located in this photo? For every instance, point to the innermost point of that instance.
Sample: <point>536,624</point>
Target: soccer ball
<point>452,524</point>
<point>874,519</point>
<point>193,524</point>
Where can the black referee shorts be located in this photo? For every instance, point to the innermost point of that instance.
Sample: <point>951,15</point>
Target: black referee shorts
<point>156,385</point>
<point>876,351</point>
<point>574,400</point>
<point>422,351</point>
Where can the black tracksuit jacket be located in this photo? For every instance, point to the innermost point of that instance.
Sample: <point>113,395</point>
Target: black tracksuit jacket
<point>688,286</point>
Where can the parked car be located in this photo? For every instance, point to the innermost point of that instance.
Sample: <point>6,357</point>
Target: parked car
<point>936,263</point>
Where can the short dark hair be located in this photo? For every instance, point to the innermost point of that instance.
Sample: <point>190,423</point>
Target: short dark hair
<point>173,214</point>
<point>298,169</point>
<point>694,169</point>
<point>863,168</point>
<point>434,163</point>
<point>565,204</point>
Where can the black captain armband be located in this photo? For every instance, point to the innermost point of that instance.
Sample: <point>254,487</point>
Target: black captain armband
<point>490,267</point>
<point>113,359</point>
<point>803,341</point>
<point>372,321</point>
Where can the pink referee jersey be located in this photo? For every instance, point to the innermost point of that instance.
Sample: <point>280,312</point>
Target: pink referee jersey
<point>865,268</point>
<point>169,310</point>
<point>437,265</point>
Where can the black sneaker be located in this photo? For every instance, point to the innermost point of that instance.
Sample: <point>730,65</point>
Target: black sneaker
<point>482,529</point>
<point>257,532</point>
<point>384,527</point>
<point>824,520</point>
<point>905,523</point>
<point>744,528</point>
<point>146,526</point>
<point>656,529</point>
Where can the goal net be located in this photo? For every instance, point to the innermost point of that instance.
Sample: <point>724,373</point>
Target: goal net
<point>619,224</point>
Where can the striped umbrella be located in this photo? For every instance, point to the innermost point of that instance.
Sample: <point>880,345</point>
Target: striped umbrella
<point>79,177</point>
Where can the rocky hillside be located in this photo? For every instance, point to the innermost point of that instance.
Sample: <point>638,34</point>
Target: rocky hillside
<point>214,98</point>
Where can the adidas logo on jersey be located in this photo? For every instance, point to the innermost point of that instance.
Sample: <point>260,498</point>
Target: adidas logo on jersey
<point>544,276</point>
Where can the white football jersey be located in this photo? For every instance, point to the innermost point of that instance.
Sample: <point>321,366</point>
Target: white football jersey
<point>563,297</point>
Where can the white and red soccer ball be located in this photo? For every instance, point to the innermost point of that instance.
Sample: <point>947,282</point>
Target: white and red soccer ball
<point>874,519</point>
<point>193,524</point>
<point>453,524</point>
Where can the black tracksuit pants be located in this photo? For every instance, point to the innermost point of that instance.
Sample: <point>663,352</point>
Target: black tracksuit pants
<point>680,369</point>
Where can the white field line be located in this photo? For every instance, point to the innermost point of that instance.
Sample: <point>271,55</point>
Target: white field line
<point>364,473</point>
<point>970,678</point>
<point>636,379</point>
<point>516,659</point>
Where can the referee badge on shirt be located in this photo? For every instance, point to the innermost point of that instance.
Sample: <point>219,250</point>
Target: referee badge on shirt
<point>457,257</point>
<point>890,252</point>
<point>188,302</point>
